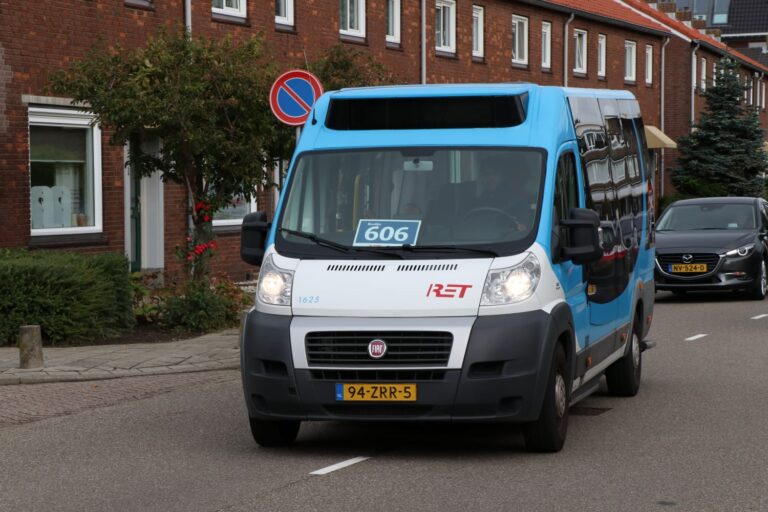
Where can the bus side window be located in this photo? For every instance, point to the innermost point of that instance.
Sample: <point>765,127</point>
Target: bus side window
<point>566,197</point>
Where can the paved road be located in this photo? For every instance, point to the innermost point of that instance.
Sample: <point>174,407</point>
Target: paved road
<point>694,439</point>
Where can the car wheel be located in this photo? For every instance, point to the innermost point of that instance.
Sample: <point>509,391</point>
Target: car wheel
<point>623,376</point>
<point>274,433</point>
<point>760,287</point>
<point>547,434</point>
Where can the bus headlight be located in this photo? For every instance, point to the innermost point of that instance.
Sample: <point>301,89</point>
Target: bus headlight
<point>275,284</point>
<point>511,284</point>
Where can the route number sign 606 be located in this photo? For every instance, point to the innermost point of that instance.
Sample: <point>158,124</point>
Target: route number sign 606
<point>392,233</point>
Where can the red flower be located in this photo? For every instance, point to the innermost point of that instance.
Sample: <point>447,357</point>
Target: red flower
<point>207,218</point>
<point>190,257</point>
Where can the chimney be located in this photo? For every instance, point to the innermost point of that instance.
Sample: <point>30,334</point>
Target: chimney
<point>684,15</point>
<point>667,7</point>
<point>699,24</point>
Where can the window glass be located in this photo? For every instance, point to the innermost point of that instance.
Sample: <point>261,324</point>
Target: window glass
<point>703,83</point>
<point>478,36</point>
<point>546,45</point>
<point>630,60</point>
<point>230,7</point>
<point>352,17</point>
<point>466,196</point>
<point>601,41</point>
<point>61,164</point>
<point>445,31</point>
<point>393,21</point>
<point>519,39</point>
<point>284,12</point>
<point>707,217</point>
<point>580,51</point>
<point>648,64</point>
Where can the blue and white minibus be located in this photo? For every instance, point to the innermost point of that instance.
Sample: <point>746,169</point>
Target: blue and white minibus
<point>452,253</point>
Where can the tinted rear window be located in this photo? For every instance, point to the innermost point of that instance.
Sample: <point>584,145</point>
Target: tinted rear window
<point>427,113</point>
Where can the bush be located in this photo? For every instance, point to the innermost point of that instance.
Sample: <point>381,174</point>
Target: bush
<point>69,295</point>
<point>204,306</point>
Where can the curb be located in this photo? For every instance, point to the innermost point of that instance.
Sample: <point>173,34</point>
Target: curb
<point>41,376</point>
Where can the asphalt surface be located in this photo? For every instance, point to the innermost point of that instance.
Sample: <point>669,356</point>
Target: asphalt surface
<point>695,438</point>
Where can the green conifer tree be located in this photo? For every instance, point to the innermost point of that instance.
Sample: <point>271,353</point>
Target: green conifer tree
<point>724,154</point>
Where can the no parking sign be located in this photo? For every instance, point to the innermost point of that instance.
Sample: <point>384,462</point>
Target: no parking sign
<point>292,96</point>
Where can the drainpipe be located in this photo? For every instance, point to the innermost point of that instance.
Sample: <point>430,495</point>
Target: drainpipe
<point>423,41</point>
<point>566,40</point>
<point>694,79</point>
<point>663,85</point>
<point>188,16</point>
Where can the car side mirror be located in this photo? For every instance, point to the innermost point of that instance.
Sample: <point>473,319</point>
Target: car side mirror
<point>583,245</point>
<point>253,236</point>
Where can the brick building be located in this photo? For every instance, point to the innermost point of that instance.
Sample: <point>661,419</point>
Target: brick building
<point>51,153</point>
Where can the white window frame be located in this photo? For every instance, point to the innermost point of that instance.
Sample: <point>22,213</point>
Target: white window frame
<point>648,64</point>
<point>451,46</point>
<point>694,73</point>
<point>395,36</point>
<point>580,38</point>
<point>546,45</point>
<point>288,18</point>
<point>751,91</point>
<point>602,44</point>
<point>714,73</point>
<point>360,31</point>
<point>762,94</point>
<point>630,76</point>
<point>234,222</point>
<point>478,31</point>
<point>523,22</point>
<point>703,79</point>
<point>63,118</point>
<point>240,12</point>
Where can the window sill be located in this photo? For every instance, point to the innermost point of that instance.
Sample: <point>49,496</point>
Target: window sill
<point>630,82</point>
<point>227,229</point>
<point>580,74</point>
<point>391,45</point>
<point>230,20</point>
<point>520,65</point>
<point>142,5</point>
<point>446,55</point>
<point>346,38</point>
<point>602,78</point>
<point>650,86</point>
<point>285,29</point>
<point>76,240</point>
<point>478,60</point>
<point>546,70</point>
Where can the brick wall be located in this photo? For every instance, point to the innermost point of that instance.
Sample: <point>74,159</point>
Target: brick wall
<point>39,37</point>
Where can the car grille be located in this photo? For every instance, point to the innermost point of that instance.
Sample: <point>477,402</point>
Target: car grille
<point>665,260</point>
<point>417,348</point>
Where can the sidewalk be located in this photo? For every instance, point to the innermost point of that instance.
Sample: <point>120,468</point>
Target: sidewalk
<point>217,351</point>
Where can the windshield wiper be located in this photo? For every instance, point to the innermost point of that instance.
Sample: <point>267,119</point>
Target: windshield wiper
<point>448,248</point>
<point>337,246</point>
<point>319,241</point>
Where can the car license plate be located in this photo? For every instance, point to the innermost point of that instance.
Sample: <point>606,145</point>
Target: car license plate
<point>376,392</point>
<point>688,267</point>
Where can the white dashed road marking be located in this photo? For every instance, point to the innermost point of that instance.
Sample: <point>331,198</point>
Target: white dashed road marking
<point>758,317</point>
<point>696,337</point>
<point>340,465</point>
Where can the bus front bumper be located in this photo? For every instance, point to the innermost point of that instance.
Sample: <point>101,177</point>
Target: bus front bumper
<point>503,377</point>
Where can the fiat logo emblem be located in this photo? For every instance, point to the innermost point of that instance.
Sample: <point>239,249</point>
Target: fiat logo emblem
<point>377,349</point>
<point>687,258</point>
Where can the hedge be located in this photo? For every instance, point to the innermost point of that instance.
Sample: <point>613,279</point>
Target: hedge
<point>71,296</point>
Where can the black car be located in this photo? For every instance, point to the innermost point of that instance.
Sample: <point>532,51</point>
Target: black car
<point>713,243</point>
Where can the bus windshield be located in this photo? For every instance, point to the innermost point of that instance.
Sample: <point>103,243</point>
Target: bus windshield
<point>413,200</point>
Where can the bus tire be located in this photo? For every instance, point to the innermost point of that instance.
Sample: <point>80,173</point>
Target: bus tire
<point>547,434</point>
<point>623,376</point>
<point>274,433</point>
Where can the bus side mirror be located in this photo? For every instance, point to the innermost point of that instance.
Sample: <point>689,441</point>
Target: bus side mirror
<point>253,236</point>
<point>583,227</point>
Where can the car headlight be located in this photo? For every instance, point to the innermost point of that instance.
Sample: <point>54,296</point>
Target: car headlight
<point>741,251</point>
<point>275,284</point>
<point>511,284</point>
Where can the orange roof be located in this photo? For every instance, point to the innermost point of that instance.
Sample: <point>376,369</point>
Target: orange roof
<point>691,32</point>
<point>611,10</point>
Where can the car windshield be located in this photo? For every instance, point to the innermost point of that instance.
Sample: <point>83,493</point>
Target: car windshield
<point>708,216</point>
<point>414,199</point>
